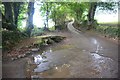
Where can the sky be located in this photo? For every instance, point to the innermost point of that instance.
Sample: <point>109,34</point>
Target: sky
<point>38,20</point>
<point>106,17</point>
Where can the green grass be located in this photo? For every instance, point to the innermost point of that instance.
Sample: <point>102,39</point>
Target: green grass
<point>109,22</point>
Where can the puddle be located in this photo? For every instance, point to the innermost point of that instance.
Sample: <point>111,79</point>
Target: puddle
<point>41,58</point>
<point>45,68</point>
<point>56,72</point>
<point>47,65</point>
<point>98,47</point>
<point>98,58</point>
<point>94,41</point>
<point>101,65</point>
<point>38,59</point>
<point>40,66</point>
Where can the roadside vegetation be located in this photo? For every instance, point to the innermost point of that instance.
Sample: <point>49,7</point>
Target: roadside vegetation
<point>108,31</point>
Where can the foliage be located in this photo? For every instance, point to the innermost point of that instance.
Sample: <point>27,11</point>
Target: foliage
<point>109,31</point>
<point>23,14</point>
<point>11,38</point>
<point>52,28</point>
<point>2,9</point>
<point>61,12</point>
<point>78,9</point>
<point>107,5</point>
<point>37,31</point>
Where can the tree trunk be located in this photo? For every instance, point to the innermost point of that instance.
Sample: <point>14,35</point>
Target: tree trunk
<point>8,17</point>
<point>47,13</point>
<point>55,14</point>
<point>16,8</point>
<point>8,11</point>
<point>91,14</point>
<point>30,18</point>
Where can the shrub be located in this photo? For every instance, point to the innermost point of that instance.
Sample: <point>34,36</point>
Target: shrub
<point>10,38</point>
<point>109,31</point>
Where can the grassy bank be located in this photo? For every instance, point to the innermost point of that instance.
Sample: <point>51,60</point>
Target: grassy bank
<point>108,31</point>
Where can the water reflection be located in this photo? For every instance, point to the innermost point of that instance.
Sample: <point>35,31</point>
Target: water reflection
<point>42,67</point>
<point>50,50</point>
<point>38,59</point>
<point>57,72</point>
<point>94,41</point>
<point>42,58</point>
<point>97,45</point>
<point>56,67</point>
<point>101,64</point>
<point>96,56</point>
<point>46,68</point>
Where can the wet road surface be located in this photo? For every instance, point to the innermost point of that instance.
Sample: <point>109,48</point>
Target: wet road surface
<point>81,56</point>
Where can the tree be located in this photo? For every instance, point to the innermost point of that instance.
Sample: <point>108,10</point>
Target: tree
<point>22,14</point>
<point>16,9</point>
<point>78,9</point>
<point>102,5</point>
<point>30,18</point>
<point>45,9</point>
<point>91,13</point>
<point>8,11</point>
<point>59,12</point>
<point>10,15</point>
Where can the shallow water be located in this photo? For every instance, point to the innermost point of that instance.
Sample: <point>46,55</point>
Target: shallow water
<point>52,64</point>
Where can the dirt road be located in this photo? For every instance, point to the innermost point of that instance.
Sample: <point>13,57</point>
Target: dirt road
<point>80,55</point>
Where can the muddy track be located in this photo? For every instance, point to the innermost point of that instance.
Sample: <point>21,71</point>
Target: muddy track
<point>81,55</point>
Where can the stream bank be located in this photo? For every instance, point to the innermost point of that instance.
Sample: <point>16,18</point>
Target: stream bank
<point>14,66</point>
